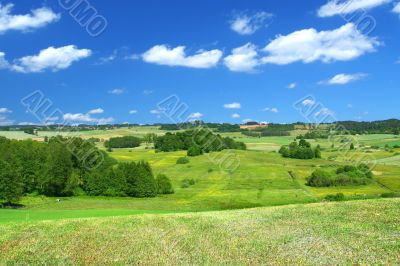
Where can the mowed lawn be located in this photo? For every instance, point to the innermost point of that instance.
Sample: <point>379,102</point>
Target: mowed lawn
<point>345,233</point>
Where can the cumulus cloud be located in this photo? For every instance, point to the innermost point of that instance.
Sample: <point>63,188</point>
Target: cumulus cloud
<point>117,91</point>
<point>51,58</point>
<point>164,55</point>
<point>96,111</point>
<point>243,58</point>
<point>337,7</point>
<point>88,118</point>
<point>247,24</point>
<point>235,116</point>
<point>4,110</point>
<point>309,45</point>
<point>342,79</point>
<point>232,105</point>
<point>36,19</point>
<point>292,85</point>
<point>396,8</point>
<point>132,112</point>
<point>195,116</point>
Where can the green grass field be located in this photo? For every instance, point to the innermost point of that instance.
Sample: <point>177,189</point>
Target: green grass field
<point>345,233</point>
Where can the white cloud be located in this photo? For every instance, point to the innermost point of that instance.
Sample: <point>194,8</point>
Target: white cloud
<point>396,8</point>
<point>342,79</point>
<point>245,24</point>
<point>38,18</point>
<point>336,7</point>
<point>243,59</point>
<point>232,105</point>
<point>195,116</point>
<point>51,58</point>
<point>272,110</point>
<point>164,55</point>
<point>308,102</point>
<point>96,111</point>
<point>107,59</point>
<point>87,118</point>
<point>132,112</point>
<point>3,62</point>
<point>4,110</point>
<point>292,85</point>
<point>4,121</point>
<point>117,91</point>
<point>309,45</point>
<point>236,116</point>
<point>158,111</point>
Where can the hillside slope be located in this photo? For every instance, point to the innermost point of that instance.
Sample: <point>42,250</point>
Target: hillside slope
<point>357,232</point>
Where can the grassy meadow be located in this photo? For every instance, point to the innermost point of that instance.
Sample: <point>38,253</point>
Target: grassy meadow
<point>260,213</point>
<point>346,233</point>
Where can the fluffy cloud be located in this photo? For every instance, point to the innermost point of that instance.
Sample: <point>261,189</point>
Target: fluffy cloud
<point>117,91</point>
<point>4,110</point>
<point>342,79</point>
<point>243,59</point>
<point>272,110</point>
<point>336,7</point>
<point>195,116</point>
<point>292,85</point>
<point>245,24</point>
<point>96,111</point>
<point>232,105</point>
<point>396,8</point>
<point>236,116</point>
<point>51,58</point>
<point>164,55</point>
<point>309,45</point>
<point>132,112</point>
<point>38,18</point>
<point>88,118</point>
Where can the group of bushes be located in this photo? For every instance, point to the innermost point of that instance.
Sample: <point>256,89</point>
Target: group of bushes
<point>301,150</point>
<point>67,167</point>
<point>123,142</point>
<point>196,142</point>
<point>314,134</point>
<point>344,176</point>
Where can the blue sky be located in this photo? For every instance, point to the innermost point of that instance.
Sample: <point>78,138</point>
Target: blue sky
<point>227,60</point>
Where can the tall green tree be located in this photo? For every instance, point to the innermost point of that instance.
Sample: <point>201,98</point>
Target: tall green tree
<point>11,186</point>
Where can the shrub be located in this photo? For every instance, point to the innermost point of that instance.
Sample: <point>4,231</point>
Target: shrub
<point>182,160</point>
<point>194,151</point>
<point>335,197</point>
<point>320,178</point>
<point>187,183</point>
<point>164,185</point>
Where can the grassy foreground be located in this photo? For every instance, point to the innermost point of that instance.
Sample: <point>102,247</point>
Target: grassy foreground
<point>356,232</point>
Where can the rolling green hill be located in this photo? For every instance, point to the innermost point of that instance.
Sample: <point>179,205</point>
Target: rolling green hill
<point>346,233</point>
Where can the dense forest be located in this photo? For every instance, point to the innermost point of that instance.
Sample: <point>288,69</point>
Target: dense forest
<point>123,142</point>
<point>67,167</point>
<point>195,142</point>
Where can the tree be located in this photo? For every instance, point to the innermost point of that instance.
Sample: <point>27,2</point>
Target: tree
<point>352,146</point>
<point>164,185</point>
<point>11,186</point>
<point>139,178</point>
<point>58,169</point>
<point>317,151</point>
<point>194,151</point>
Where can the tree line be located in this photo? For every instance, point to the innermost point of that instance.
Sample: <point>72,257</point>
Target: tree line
<point>68,167</point>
